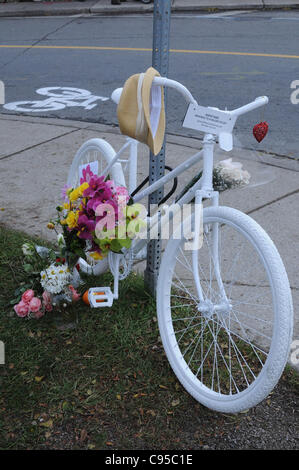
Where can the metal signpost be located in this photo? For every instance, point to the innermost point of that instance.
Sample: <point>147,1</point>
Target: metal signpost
<point>160,60</point>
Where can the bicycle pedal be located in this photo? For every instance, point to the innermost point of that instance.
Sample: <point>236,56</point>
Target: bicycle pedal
<point>100,297</point>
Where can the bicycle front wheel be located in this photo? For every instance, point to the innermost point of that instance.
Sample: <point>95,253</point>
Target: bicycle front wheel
<point>229,349</point>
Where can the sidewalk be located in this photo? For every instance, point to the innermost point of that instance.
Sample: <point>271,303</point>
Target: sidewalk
<point>36,154</point>
<point>104,7</point>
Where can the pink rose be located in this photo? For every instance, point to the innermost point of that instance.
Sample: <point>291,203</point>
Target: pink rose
<point>48,307</point>
<point>38,314</point>
<point>47,301</point>
<point>28,295</point>
<point>46,297</point>
<point>75,295</point>
<point>35,304</point>
<point>21,309</point>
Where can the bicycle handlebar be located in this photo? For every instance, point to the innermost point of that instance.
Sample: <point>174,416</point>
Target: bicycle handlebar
<point>167,82</point>
<point>162,81</point>
<point>258,102</point>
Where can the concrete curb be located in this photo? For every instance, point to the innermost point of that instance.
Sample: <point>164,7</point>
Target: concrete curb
<point>56,9</point>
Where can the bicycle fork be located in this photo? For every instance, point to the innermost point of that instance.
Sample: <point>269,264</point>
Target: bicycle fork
<point>205,306</point>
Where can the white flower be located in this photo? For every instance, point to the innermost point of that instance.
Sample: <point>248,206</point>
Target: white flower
<point>28,249</point>
<point>55,278</point>
<point>232,172</point>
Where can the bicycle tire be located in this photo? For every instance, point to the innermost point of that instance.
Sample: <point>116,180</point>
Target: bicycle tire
<point>103,152</point>
<point>216,367</point>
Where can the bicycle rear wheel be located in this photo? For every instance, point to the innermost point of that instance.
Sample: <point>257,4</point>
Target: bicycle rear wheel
<point>230,354</point>
<point>101,151</point>
<point>95,150</point>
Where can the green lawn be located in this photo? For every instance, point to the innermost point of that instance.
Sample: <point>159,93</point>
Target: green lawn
<point>94,379</point>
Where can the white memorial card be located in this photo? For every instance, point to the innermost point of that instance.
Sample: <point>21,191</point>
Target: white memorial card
<point>211,121</point>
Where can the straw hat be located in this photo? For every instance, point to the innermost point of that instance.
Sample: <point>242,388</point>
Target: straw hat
<point>141,112</point>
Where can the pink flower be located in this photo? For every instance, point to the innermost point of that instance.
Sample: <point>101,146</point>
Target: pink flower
<point>27,296</point>
<point>48,307</point>
<point>21,309</point>
<point>47,301</point>
<point>75,295</point>
<point>46,297</point>
<point>98,186</point>
<point>111,185</point>
<point>64,192</point>
<point>121,191</point>
<point>86,226</point>
<point>35,304</point>
<point>87,174</point>
<point>38,314</point>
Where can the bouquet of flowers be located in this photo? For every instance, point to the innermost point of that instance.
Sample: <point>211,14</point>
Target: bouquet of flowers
<point>227,174</point>
<point>50,283</point>
<point>31,306</point>
<point>97,217</point>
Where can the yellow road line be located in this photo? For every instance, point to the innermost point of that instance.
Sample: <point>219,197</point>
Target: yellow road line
<point>144,49</point>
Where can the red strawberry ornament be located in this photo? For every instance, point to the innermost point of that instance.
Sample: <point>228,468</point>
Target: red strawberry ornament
<point>260,130</point>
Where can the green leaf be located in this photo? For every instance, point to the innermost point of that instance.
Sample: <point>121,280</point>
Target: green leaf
<point>115,245</point>
<point>20,290</point>
<point>28,268</point>
<point>125,243</point>
<point>80,252</point>
<point>52,255</point>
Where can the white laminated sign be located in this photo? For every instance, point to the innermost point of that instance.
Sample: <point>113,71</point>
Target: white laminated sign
<point>211,121</point>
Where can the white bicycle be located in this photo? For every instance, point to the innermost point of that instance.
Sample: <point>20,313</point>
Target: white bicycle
<point>225,309</point>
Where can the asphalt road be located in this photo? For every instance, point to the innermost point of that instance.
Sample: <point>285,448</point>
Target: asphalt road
<point>226,60</point>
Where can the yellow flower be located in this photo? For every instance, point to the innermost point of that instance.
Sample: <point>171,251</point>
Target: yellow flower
<point>74,195</point>
<point>83,187</point>
<point>95,255</point>
<point>50,226</point>
<point>78,192</point>
<point>72,219</point>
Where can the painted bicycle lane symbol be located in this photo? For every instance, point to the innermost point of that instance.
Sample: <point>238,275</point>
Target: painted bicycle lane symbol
<point>59,98</point>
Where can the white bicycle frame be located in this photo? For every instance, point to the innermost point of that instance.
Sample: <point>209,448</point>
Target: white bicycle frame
<point>203,188</point>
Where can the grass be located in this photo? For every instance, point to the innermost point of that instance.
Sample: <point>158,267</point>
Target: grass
<point>103,383</point>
